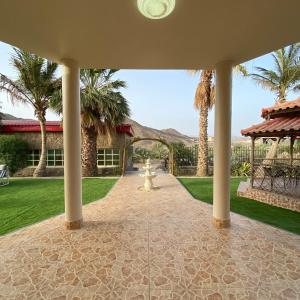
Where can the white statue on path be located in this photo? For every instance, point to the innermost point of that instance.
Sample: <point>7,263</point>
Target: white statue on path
<point>149,175</point>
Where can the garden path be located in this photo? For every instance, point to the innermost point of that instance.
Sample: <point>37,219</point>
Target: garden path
<point>155,245</point>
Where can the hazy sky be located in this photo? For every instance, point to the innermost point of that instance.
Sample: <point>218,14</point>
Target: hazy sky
<point>164,99</point>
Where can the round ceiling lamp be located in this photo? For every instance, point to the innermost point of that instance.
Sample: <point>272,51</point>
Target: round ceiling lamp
<point>156,9</point>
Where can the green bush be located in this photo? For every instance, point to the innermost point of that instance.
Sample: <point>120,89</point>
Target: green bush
<point>241,169</point>
<point>13,152</point>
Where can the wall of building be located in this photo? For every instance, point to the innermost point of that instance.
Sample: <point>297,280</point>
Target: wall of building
<point>274,199</point>
<point>55,141</point>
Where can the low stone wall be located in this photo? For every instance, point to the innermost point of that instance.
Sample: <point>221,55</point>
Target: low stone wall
<point>274,199</point>
<point>109,171</point>
<point>50,172</point>
<point>57,172</point>
<point>190,171</point>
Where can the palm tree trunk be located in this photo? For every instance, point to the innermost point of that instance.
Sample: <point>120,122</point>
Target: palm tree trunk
<point>89,152</point>
<point>272,153</point>
<point>202,167</point>
<point>40,170</point>
<point>203,101</point>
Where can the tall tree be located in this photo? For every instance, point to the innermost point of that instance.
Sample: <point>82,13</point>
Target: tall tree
<point>103,107</point>
<point>284,76</point>
<point>35,85</point>
<point>203,102</point>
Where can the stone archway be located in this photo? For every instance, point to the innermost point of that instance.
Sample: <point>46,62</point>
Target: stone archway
<point>160,140</point>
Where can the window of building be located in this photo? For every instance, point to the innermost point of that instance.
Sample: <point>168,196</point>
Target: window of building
<point>55,158</point>
<point>108,157</point>
<point>33,158</point>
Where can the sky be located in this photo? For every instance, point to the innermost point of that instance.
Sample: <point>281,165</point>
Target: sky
<point>164,98</point>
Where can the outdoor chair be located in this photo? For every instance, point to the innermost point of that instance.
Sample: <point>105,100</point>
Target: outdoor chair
<point>273,172</point>
<point>4,176</point>
<point>267,173</point>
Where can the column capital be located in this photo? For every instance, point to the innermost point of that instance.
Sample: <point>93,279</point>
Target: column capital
<point>225,63</point>
<point>69,62</point>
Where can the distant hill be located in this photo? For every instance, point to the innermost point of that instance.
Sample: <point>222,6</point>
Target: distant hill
<point>9,117</point>
<point>4,116</point>
<point>170,135</point>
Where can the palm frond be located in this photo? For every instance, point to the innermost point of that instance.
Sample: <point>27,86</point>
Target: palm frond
<point>240,69</point>
<point>14,89</point>
<point>286,74</point>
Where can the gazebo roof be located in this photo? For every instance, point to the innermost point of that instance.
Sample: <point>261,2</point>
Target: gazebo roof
<point>283,108</point>
<point>281,120</point>
<point>278,127</point>
<point>114,34</point>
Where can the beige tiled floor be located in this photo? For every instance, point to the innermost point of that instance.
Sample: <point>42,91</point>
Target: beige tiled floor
<point>157,245</point>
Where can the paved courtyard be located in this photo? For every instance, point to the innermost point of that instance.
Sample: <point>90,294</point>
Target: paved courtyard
<point>156,245</point>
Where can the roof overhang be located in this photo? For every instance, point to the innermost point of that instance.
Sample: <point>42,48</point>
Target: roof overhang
<point>21,126</point>
<point>278,127</point>
<point>287,108</point>
<point>114,34</point>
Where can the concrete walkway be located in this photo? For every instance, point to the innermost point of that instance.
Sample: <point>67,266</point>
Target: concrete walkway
<point>156,245</point>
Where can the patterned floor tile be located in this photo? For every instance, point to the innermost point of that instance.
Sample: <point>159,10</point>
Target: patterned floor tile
<point>157,245</point>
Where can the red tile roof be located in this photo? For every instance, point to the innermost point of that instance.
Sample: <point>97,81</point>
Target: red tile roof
<point>12,126</point>
<point>280,107</point>
<point>28,126</point>
<point>274,127</point>
<point>125,128</point>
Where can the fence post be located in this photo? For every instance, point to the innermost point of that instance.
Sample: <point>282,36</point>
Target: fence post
<point>252,160</point>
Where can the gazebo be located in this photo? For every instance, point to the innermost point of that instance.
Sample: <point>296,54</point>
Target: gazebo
<point>164,34</point>
<point>276,179</point>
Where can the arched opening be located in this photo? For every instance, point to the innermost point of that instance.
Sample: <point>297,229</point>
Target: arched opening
<point>138,139</point>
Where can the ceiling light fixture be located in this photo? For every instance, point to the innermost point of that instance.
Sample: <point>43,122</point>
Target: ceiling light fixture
<point>156,9</point>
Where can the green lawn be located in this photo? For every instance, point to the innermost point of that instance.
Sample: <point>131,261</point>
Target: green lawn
<point>27,201</point>
<point>202,189</point>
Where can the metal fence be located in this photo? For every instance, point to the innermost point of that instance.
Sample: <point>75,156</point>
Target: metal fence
<point>186,159</point>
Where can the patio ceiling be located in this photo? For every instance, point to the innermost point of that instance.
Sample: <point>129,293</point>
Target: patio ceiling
<point>113,34</point>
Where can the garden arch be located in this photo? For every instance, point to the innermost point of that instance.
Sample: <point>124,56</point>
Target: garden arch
<point>160,140</point>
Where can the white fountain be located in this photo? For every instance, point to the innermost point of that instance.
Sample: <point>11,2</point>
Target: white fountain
<point>149,175</point>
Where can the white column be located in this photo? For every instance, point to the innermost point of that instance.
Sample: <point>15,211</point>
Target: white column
<point>72,144</point>
<point>222,145</point>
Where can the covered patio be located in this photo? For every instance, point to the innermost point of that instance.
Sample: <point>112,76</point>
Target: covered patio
<point>158,245</point>
<point>154,34</point>
<point>161,245</point>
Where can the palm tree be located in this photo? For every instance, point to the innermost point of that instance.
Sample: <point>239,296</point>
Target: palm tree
<point>285,76</point>
<point>35,85</point>
<point>102,108</point>
<point>203,102</point>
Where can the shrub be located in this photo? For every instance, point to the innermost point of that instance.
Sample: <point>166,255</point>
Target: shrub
<point>13,152</point>
<point>241,169</point>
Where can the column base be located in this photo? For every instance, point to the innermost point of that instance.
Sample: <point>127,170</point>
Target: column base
<point>73,225</point>
<point>221,223</point>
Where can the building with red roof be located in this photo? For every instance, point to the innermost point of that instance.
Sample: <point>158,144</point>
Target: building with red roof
<point>110,150</point>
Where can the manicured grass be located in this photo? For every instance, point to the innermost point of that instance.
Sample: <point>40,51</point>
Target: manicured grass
<point>202,189</point>
<point>27,201</point>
